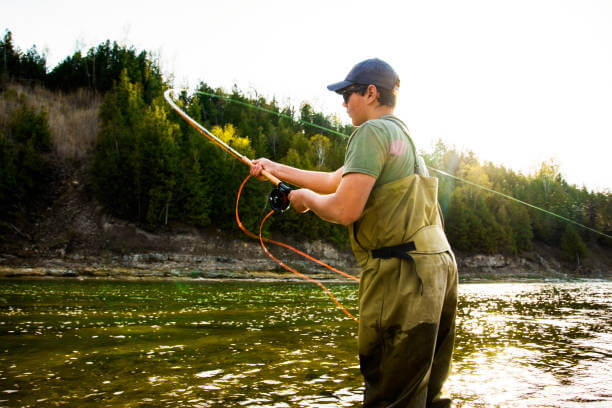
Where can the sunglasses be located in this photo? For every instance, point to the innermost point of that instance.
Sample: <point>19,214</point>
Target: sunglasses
<point>346,94</point>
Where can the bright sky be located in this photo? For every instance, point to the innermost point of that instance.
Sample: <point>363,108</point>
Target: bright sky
<point>518,82</point>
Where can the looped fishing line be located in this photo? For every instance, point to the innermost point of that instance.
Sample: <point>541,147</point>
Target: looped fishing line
<point>277,182</point>
<point>282,264</point>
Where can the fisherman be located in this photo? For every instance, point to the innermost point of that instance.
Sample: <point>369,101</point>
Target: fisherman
<point>408,285</point>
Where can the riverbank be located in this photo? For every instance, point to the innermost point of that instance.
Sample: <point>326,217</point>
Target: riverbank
<point>129,253</point>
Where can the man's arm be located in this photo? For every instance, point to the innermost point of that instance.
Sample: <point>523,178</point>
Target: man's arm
<point>344,206</point>
<point>317,181</point>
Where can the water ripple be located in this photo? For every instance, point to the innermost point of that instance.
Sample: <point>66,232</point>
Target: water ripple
<point>284,345</point>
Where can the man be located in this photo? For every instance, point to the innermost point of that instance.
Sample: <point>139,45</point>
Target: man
<point>408,287</point>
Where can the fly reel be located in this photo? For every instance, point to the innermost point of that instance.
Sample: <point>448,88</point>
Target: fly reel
<point>279,198</point>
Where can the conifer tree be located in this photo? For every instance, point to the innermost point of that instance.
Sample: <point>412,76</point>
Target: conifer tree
<point>574,249</point>
<point>25,141</point>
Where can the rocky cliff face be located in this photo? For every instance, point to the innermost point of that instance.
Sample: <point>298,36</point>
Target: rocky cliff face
<point>542,262</point>
<point>75,237</point>
<point>499,265</point>
<point>113,248</point>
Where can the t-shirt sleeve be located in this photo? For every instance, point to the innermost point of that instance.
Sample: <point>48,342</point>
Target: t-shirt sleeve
<point>365,152</point>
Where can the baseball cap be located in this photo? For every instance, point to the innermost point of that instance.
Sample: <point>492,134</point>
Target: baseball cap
<point>371,71</point>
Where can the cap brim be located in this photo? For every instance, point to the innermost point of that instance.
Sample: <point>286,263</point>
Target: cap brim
<point>339,85</point>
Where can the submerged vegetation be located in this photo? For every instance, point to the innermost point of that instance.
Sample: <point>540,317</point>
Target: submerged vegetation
<point>105,108</point>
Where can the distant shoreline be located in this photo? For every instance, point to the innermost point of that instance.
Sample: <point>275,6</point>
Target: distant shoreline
<point>139,275</point>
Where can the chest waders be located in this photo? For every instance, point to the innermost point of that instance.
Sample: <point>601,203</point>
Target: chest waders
<point>407,295</point>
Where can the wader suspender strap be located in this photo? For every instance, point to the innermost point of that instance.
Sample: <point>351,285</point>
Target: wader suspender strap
<point>420,167</point>
<point>399,251</point>
<point>417,169</point>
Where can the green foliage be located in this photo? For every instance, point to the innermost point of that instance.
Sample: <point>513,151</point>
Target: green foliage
<point>25,141</point>
<point>479,221</point>
<point>457,227</point>
<point>136,156</point>
<point>102,67</point>
<point>10,194</point>
<point>17,65</point>
<point>572,245</point>
<point>321,146</point>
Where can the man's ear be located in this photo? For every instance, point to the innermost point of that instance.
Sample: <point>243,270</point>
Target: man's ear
<point>371,94</point>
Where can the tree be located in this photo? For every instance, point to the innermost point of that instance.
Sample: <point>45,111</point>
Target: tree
<point>572,245</point>
<point>30,67</point>
<point>33,66</point>
<point>520,223</point>
<point>320,147</point>
<point>457,223</point>
<point>25,141</point>
<point>9,57</point>
<point>136,156</point>
<point>228,134</point>
<point>101,67</point>
<point>10,191</point>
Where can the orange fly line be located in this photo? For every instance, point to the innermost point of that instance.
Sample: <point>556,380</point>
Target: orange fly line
<point>287,267</point>
<point>274,180</point>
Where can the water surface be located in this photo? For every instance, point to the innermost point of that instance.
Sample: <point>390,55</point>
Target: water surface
<point>203,344</point>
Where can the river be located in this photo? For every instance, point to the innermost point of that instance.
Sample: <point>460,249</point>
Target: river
<point>257,344</point>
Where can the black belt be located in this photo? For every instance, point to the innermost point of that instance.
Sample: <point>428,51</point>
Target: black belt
<point>398,251</point>
<point>395,251</point>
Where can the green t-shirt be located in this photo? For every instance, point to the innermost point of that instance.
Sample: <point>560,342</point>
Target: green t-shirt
<point>381,149</point>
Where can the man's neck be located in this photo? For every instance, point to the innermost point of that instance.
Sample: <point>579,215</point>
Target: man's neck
<point>379,111</point>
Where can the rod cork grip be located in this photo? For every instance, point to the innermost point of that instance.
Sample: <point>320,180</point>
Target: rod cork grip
<point>276,181</point>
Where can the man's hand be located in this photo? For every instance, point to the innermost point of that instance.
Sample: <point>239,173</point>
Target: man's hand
<point>298,199</point>
<point>262,164</point>
<point>344,206</point>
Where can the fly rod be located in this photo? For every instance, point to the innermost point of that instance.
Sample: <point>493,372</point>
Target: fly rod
<point>279,197</point>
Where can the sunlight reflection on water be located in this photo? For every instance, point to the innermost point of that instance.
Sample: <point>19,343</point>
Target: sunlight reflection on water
<point>284,345</point>
<point>533,345</point>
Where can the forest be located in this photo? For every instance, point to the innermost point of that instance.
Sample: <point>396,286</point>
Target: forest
<point>147,165</point>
